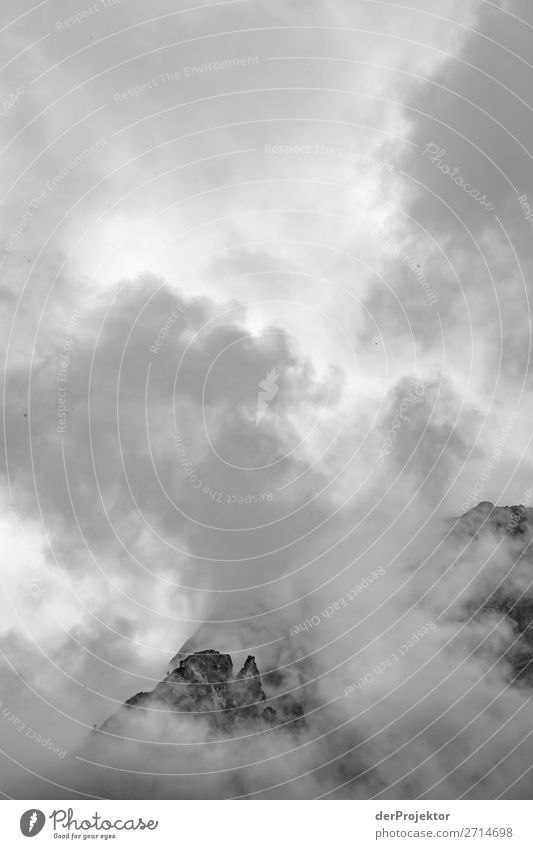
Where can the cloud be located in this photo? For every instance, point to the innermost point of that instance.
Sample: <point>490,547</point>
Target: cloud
<point>192,203</point>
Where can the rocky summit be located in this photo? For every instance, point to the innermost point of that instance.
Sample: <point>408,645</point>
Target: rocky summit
<point>511,596</point>
<point>516,520</point>
<point>203,686</point>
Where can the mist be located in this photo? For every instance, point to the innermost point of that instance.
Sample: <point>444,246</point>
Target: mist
<point>262,359</point>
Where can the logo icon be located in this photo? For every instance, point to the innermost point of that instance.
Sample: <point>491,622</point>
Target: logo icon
<point>32,822</point>
<point>269,389</point>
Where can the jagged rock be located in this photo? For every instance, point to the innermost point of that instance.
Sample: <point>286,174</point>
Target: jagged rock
<point>291,713</point>
<point>512,520</point>
<point>247,693</point>
<point>199,684</point>
<point>516,523</point>
<point>203,685</point>
<point>520,612</point>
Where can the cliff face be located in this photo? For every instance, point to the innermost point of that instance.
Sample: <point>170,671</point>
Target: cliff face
<point>513,595</point>
<point>203,686</point>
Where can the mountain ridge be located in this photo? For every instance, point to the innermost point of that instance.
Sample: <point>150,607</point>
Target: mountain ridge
<point>204,687</point>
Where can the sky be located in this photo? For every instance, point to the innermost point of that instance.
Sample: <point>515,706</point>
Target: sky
<point>265,327</point>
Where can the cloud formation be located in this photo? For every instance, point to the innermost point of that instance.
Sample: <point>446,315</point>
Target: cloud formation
<point>258,347</point>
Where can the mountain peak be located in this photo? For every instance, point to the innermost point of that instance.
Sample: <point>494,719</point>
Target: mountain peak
<point>511,520</point>
<point>204,687</point>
